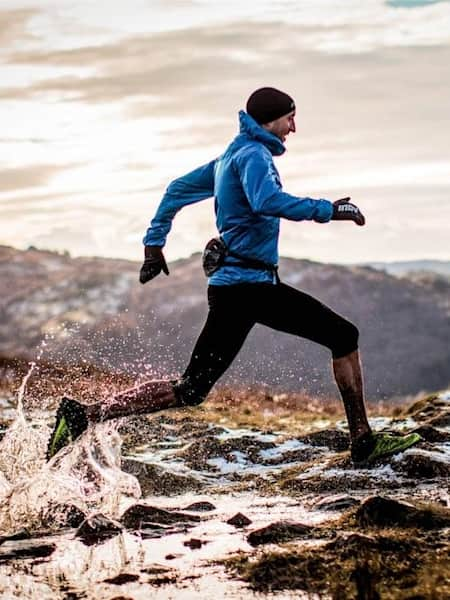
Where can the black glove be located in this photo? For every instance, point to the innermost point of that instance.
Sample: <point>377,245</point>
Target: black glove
<point>154,263</point>
<point>343,210</point>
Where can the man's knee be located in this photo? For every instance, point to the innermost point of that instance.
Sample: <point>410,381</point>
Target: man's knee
<point>346,341</point>
<point>188,394</point>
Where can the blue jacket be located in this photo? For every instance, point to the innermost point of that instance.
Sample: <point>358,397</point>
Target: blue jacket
<point>249,202</point>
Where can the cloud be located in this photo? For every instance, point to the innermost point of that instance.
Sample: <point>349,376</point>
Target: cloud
<point>13,27</point>
<point>20,178</point>
<point>190,70</point>
<point>211,70</point>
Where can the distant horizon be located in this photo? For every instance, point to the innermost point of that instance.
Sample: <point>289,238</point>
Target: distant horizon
<point>65,252</point>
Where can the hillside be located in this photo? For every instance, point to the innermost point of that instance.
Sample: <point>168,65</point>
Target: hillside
<point>94,310</point>
<point>407,267</point>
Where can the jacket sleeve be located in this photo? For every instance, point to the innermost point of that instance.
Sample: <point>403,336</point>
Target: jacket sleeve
<point>263,189</point>
<point>188,189</point>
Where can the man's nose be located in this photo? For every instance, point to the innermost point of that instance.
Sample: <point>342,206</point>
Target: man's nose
<point>292,125</point>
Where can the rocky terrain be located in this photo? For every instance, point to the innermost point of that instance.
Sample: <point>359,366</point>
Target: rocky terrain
<point>247,496</point>
<point>93,311</point>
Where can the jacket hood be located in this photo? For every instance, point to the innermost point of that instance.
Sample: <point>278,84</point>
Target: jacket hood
<point>248,126</point>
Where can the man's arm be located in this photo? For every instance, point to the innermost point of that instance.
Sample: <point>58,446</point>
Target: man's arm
<point>188,189</point>
<point>266,197</point>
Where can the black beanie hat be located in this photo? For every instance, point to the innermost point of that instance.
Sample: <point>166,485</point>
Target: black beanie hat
<point>268,104</point>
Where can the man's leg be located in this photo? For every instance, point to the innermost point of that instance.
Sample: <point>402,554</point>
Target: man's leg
<point>228,324</point>
<point>229,321</point>
<point>295,312</point>
<point>147,397</point>
<point>348,375</point>
<point>289,310</point>
<point>223,334</point>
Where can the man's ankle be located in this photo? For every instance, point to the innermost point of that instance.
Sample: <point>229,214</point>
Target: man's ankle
<point>93,412</point>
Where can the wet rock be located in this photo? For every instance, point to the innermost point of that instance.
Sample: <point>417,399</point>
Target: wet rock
<point>200,506</point>
<point>3,429</point>
<point>338,502</point>
<point>239,520</point>
<point>161,580</point>
<point>156,570</point>
<point>277,533</point>
<point>335,440</point>
<point>440,420</point>
<point>24,549</point>
<point>153,531</point>
<point>122,579</point>
<point>431,434</point>
<point>62,515</point>
<point>424,406</point>
<point>432,410</point>
<point>384,512</point>
<point>194,543</point>
<point>141,516</point>
<point>155,481</point>
<point>22,534</point>
<point>423,465</point>
<point>97,528</point>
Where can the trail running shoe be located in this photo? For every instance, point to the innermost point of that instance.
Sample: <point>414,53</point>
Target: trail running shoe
<point>379,445</point>
<point>71,421</point>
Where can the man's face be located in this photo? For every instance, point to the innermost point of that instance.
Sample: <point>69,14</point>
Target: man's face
<point>283,126</point>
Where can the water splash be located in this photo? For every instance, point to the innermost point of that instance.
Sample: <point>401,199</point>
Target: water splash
<point>20,417</point>
<point>85,476</point>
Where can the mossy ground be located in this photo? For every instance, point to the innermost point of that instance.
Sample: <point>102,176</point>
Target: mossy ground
<point>391,564</point>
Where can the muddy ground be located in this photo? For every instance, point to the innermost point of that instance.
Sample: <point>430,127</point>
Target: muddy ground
<point>251,495</point>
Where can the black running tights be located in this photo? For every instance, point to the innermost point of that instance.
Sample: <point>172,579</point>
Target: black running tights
<point>234,309</point>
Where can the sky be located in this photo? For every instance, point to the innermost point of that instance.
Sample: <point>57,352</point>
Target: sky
<point>102,104</point>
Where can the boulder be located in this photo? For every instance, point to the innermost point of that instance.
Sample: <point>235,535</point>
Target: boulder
<point>338,502</point>
<point>62,515</point>
<point>239,520</point>
<point>276,533</point>
<point>155,481</point>
<point>377,511</point>
<point>122,578</point>
<point>194,543</point>
<point>21,549</point>
<point>22,534</point>
<point>200,506</point>
<point>140,516</point>
<point>97,528</point>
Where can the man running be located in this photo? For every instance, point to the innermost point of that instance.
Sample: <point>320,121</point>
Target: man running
<point>244,286</point>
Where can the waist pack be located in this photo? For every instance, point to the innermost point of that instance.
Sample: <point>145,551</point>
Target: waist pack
<point>216,253</point>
